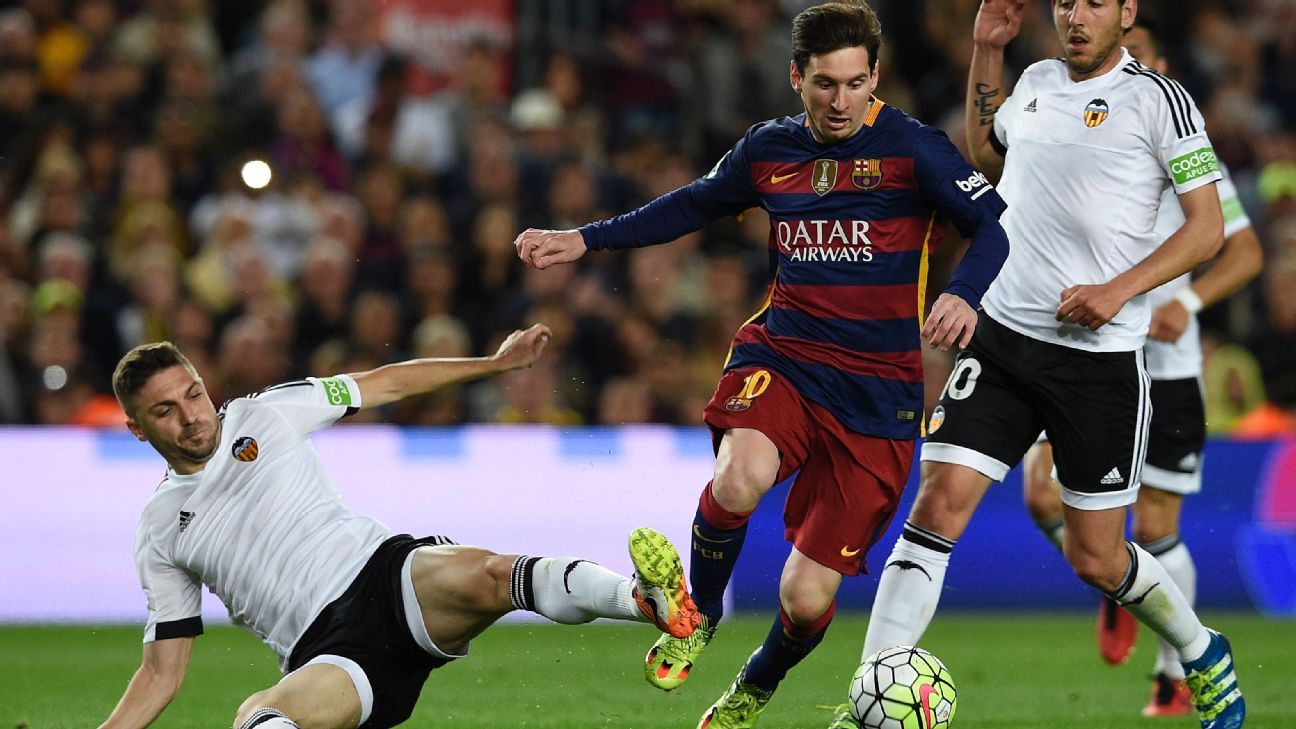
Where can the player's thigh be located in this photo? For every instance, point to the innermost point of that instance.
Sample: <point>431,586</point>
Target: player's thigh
<point>461,591</point>
<point>1177,437</point>
<point>948,495</point>
<point>985,418</point>
<point>1039,490</point>
<point>761,428</point>
<point>845,494</point>
<point>316,696</point>
<point>1097,407</point>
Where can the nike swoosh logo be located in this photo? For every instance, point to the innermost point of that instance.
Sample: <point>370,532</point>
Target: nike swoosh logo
<point>924,695</point>
<point>698,534</point>
<point>776,179</point>
<point>848,552</point>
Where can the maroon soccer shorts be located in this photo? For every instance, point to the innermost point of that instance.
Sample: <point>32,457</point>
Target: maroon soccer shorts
<point>848,484</point>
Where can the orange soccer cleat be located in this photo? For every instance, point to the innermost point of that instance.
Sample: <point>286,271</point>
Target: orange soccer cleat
<point>1117,631</point>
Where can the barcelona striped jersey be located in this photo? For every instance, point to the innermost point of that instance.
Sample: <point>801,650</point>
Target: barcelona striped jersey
<point>851,224</point>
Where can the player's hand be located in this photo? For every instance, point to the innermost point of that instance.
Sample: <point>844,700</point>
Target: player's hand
<point>997,22</point>
<point>951,322</point>
<point>1090,305</point>
<point>1169,322</point>
<point>543,248</point>
<point>522,348</point>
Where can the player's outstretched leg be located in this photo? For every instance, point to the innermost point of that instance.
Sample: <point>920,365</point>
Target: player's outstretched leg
<point>660,590</point>
<point>1214,686</point>
<point>908,590</point>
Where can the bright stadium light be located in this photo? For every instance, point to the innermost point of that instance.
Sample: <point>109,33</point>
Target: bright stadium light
<point>256,174</point>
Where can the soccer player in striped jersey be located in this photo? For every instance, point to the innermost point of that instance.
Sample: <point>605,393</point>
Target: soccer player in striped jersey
<point>1178,430</point>
<point>359,616</point>
<point>826,379</point>
<point>1087,145</point>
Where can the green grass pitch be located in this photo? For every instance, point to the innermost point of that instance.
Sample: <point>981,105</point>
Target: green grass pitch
<point>1012,671</point>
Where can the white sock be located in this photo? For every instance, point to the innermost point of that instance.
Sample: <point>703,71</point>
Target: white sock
<point>572,591</point>
<point>1150,594</point>
<point>1174,556</point>
<point>908,590</point>
<point>268,718</point>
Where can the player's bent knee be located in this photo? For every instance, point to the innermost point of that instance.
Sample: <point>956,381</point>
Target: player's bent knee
<point>804,609</point>
<point>258,712</point>
<point>738,485</point>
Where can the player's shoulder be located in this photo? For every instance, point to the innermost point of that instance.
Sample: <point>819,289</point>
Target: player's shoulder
<point>1154,90</point>
<point>909,132</point>
<point>773,130</point>
<point>272,395</point>
<point>1043,73</point>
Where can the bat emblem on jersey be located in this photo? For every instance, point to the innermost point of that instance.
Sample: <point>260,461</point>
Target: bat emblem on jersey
<point>866,174</point>
<point>824,178</point>
<point>245,449</point>
<point>1096,112</point>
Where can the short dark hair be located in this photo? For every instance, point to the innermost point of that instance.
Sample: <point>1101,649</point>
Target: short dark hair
<point>833,26</point>
<point>1153,30</point>
<point>141,363</point>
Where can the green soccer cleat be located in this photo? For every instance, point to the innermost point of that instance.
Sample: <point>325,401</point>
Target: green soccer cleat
<point>738,708</point>
<point>670,659</point>
<point>659,587</point>
<point>842,718</point>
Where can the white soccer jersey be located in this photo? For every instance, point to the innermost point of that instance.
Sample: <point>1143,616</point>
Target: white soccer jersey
<point>1085,167</point>
<point>1182,359</point>
<point>261,525</point>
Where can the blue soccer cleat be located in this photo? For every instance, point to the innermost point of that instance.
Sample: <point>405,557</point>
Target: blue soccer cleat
<point>1214,686</point>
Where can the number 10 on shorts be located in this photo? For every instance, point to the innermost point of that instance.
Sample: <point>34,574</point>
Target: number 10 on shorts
<point>753,385</point>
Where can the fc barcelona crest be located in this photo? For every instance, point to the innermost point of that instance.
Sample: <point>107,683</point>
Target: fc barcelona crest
<point>866,174</point>
<point>1096,112</point>
<point>824,178</point>
<point>245,449</point>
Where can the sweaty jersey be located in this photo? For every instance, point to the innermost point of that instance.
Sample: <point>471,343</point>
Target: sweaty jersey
<point>850,227</point>
<point>261,525</point>
<point>1085,166</point>
<point>1182,358</point>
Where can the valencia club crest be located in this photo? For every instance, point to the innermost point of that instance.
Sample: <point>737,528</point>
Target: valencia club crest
<point>245,449</point>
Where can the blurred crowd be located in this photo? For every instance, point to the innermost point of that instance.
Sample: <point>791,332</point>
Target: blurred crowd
<point>409,141</point>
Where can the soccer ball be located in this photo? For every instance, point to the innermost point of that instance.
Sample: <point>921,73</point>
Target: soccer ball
<point>902,688</point>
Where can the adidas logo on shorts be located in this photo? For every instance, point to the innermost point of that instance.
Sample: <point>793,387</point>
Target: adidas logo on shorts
<point>1112,478</point>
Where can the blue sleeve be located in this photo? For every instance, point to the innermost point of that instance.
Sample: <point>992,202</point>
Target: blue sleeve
<point>726,190</point>
<point>963,194</point>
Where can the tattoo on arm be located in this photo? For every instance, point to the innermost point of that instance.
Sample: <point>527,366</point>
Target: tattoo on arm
<point>985,107</point>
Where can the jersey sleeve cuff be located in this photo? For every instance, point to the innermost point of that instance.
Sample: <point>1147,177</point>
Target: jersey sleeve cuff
<point>999,147</point>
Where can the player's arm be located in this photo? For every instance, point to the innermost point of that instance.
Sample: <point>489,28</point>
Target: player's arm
<point>393,382</point>
<point>997,23</point>
<point>154,685</point>
<point>967,198</point>
<point>1196,241</point>
<point>726,190</point>
<point>1238,262</point>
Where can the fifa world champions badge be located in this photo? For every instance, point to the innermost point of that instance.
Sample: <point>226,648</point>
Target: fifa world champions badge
<point>824,178</point>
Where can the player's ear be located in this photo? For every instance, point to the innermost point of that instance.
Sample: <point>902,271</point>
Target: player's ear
<point>794,75</point>
<point>1129,11</point>
<point>134,428</point>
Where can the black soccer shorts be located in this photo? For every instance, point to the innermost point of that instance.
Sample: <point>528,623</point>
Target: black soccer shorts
<point>1006,387</point>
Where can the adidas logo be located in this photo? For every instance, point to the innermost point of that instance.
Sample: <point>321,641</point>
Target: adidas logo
<point>1031,106</point>
<point>1189,462</point>
<point>1113,477</point>
<point>185,518</point>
